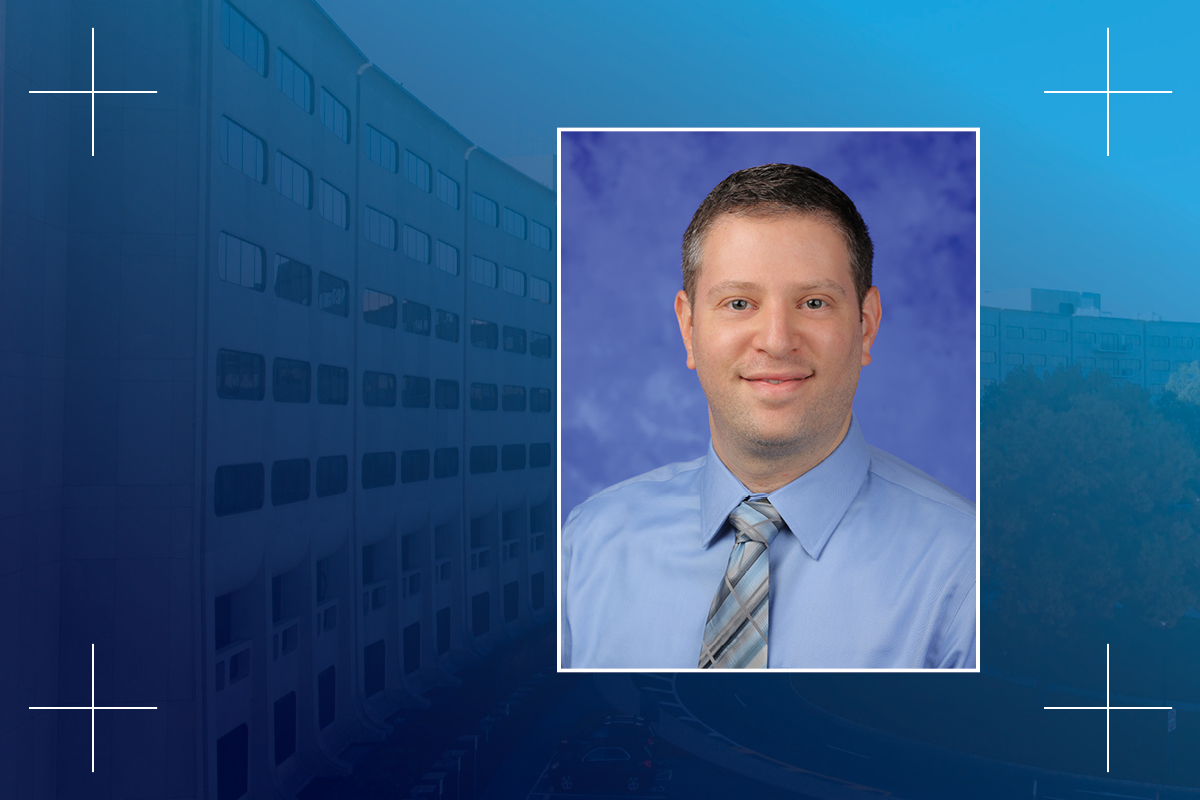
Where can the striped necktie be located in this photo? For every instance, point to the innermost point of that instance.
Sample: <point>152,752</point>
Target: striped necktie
<point>736,634</point>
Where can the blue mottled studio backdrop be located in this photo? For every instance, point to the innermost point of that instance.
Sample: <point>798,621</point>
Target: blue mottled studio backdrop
<point>629,403</point>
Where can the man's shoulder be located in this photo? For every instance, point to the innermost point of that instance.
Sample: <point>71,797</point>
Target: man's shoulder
<point>918,487</point>
<point>673,481</point>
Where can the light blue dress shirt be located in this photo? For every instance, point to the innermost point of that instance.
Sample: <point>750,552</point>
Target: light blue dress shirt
<point>875,569</point>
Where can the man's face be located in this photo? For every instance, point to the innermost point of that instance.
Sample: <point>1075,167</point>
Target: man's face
<point>776,335</point>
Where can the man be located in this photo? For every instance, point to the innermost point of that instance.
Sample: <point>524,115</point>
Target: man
<point>792,543</point>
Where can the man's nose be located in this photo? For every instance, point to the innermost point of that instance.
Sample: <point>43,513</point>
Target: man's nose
<point>778,332</point>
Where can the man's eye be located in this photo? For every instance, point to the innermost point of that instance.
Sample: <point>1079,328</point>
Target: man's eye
<point>814,303</point>
<point>739,305</point>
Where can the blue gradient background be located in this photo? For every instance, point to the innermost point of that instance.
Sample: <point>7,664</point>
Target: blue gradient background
<point>629,404</point>
<point>1055,212</point>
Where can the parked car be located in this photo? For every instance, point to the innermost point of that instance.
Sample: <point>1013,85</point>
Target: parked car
<point>607,766</point>
<point>616,730</point>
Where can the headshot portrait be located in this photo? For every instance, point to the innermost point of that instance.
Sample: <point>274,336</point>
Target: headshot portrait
<point>768,400</point>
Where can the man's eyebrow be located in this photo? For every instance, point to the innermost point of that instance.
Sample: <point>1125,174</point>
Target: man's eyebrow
<point>750,286</point>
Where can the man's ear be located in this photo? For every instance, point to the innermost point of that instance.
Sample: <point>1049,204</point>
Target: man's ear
<point>872,313</point>
<point>683,311</point>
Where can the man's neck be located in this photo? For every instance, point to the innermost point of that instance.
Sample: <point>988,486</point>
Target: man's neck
<point>763,474</point>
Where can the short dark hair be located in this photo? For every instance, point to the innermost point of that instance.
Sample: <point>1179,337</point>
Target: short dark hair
<point>776,190</point>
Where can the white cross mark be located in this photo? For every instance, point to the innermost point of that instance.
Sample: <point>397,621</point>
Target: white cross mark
<point>93,708</point>
<point>1106,91</point>
<point>93,91</point>
<point>1108,708</point>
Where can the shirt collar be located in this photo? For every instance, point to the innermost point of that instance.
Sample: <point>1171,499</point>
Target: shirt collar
<point>811,506</point>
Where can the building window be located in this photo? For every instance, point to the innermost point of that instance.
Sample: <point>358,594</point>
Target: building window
<point>415,392</point>
<point>416,244</point>
<point>483,209</point>
<point>514,282</point>
<point>445,394</point>
<point>240,376</point>
<point>1013,359</point>
<point>445,257</point>
<point>1181,341</point>
<point>987,330</point>
<point>285,727</point>
<point>416,170</point>
<point>447,190</point>
<point>381,149</point>
<point>331,475</point>
<point>443,629</point>
<point>379,389</point>
<point>242,38</point>
<point>447,326</point>
<point>293,80</point>
<point>379,228</point>
<point>512,592</point>
<point>378,469</point>
<point>1108,341</point>
<point>540,454</point>
<point>987,357</point>
<point>293,281</point>
<point>374,668</point>
<point>1013,332</point>
<point>539,290</point>
<point>1085,337</point>
<point>333,385</point>
<point>292,381</point>
<point>483,271</point>
<point>514,223</point>
<point>233,763</point>
<point>1058,336</point>
<point>512,457</point>
<point>1130,340</point>
<point>1085,361</point>
<point>445,462</point>
<point>1159,366</point>
<point>484,334</point>
<point>333,294</point>
<point>379,308</point>
<point>334,205</point>
<point>414,317</point>
<point>539,400</point>
<point>335,116</point>
<point>539,234</point>
<point>1109,365</point>
<point>293,180</point>
<point>1158,341</point>
<point>238,488</point>
<point>1058,361</point>
<point>414,466</point>
<point>1182,364</point>
<point>1037,360</point>
<point>483,459</point>
<point>514,398</point>
<point>514,340</point>
<point>289,481</point>
<point>412,648</point>
<point>539,345</point>
<point>242,150</point>
<point>1130,364</point>
<point>483,397</point>
<point>1037,334</point>
<point>240,262</point>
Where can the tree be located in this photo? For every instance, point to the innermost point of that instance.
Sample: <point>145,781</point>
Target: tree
<point>1087,501</point>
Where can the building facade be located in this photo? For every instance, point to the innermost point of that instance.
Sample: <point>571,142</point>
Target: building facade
<point>1063,329</point>
<point>279,383</point>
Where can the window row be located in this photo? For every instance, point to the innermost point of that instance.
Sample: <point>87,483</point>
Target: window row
<point>242,376</point>
<point>1035,334</point>
<point>239,488</point>
<point>1105,341</point>
<point>246,41</point>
